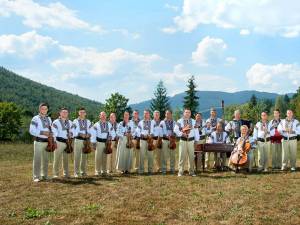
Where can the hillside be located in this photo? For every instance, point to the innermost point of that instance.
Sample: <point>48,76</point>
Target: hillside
<point>210,99</point>
<point>28,94</point>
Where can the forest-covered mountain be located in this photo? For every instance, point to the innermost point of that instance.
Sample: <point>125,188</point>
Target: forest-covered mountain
<point>28,94</point>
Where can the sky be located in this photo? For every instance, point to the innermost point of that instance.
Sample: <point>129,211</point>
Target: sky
<point>97,47</point>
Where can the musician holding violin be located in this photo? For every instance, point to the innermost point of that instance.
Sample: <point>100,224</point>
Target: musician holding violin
<point>40,129</point>
<point>242,155</point>
<point>63,133</point>
<point>101,140</point>
<point>168,142</point>
<point>156,133</point>
<point>146,143</point>
<point>136,140</point>
<point>125,144</point>
<point>111,158</point>
<point>82,133</point>
<point>188,134</point>
<point>201,127</point>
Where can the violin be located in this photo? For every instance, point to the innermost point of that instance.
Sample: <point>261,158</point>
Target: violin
<point>159,143</point>
<point>51,146</point>
<point>108,145</point>
<point>87,148</point>
<point>151,145</point>
<point>129,143</point>
<point>138,143</point>
<point>172,142</point>
<point>69,148</point>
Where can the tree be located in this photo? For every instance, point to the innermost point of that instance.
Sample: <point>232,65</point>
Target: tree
<point>281,104</point>
<point>10,120</point>
<point>253,101</point>
<point>191,99</point>
<point>295,104</point>
<point>117,104</point>
<point>161,101</point>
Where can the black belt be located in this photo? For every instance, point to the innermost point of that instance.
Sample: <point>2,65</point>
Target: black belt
<point>291,138</point>
<point>202,137</point>
<point>60,139</point>
<point>38,139</point>
<point>136,138</point>
<point>263,140</point>
<point>101,140</point>
<point>187,139</point>
<point>155,138</point>
<point>165,138</point>
<point>81,138</point>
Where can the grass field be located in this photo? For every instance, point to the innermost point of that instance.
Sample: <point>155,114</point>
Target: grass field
<point>209,198</point>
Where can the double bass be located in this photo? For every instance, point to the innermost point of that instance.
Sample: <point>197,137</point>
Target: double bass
<point>239,155</point>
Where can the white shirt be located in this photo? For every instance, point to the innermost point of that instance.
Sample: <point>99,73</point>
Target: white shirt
<point>218,138</point>
<point>156,130</point>
<point>261,130</point>
<point>144,128</point>
<point>61,128</point>
<point>39,124</point>
<point>101,130</point>
<point>125,128</point>
<point>113,130</point>
<point>213,121</point>
<point>82,127</point>
<point>285,124</point>
<point>200,126</point>
<point>167,127</point>
<point>273,125</point>
<point>234,127</point>
<point>181,123</point>
<point>135,127</point>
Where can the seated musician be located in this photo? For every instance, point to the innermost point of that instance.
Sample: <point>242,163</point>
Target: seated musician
<point>240,146</point>
<point>208,155</point>
<point>219,137</point>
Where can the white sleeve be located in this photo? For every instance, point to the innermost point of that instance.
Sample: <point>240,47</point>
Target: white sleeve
<point>255,132</point>
<point>33,129</point>
<point>75,128</point>
<point>120,130</point>
<point>72,129</point>
<point>94,133</point>
<point>280,128</point>
<point>177,129</point>
<point>152,128</point>
<point>54,129</point>
<point>211,138</point>
<point>228,127</point>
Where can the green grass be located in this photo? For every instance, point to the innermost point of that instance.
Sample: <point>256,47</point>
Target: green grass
<point>209,198</point>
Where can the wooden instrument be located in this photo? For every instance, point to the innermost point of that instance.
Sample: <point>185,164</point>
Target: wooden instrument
<point>151,145</point>
<point>129,143</point>
<point>137,143</point>
<point>87,148</point>
<point>239,155</point>
<point>187,129</point>
<point>108,145</point>
<point>69,148</point>
<point>159,143</point>
<point>51,146</point>
<point>172,142</point>
<point>116,142</point>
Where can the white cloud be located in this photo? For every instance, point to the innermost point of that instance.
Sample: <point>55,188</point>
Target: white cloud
<point>53,15</point>
<point>26,45</point>
<point>261,16</point>
<point>171,7</point>
<point>244,32</point>
<point>211,50</point>
<point>279,78</point>
<point>169,30</point>
<point>94,62</point>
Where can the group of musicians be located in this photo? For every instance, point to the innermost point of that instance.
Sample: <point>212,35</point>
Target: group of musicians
<point>153,140</point>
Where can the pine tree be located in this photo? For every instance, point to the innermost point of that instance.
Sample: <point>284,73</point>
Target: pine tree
<point>117,104</point>
<point>253,101</point>
<point>160,102</point>
<point>191,99</point>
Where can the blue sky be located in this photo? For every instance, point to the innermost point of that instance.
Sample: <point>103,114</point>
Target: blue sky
<point>94,48</point>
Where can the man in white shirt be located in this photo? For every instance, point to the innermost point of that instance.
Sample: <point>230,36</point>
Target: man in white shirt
<point>143,132</point>
<point>289,128</point>
<point>135,120</point>
<point>262,136</point>
<point>101,132</point>
<point>200,126</point>
<point>62,130</point>
<point>40,129</point>
<point>167,125</point>
<point>82,132</point>
<point>156,133</point>
<point>188,134</point>
<point>111,158</point>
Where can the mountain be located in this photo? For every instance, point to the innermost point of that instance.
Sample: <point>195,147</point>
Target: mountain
<point>210,99</point>
<point>29,94</point>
